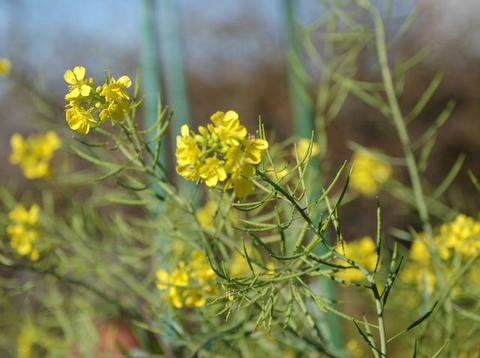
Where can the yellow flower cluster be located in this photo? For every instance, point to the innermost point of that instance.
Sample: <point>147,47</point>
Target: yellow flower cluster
<point>461,237</point>
<point>189,284</point>
<point>369,173</point>
<point>88,106</point>
<point>24,231</point>
<point>363,252</point>
<point>5,66</point>
<point>34,153</point>
<point>223,151</point>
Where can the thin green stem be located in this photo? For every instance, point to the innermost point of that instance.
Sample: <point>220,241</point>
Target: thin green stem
<point>398,121</point>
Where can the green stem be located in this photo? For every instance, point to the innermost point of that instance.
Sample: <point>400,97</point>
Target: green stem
<point>149,66</point>
<point>398,121</point>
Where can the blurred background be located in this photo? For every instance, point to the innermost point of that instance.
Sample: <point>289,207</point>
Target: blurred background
<point>234,55</point>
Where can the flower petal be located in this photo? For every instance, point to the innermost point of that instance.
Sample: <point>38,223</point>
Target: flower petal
<point>79,72</point>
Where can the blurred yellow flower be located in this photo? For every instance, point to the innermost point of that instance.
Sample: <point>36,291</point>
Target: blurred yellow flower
<point>189,284</point>
<point>34,153</point>
<point>200,267</point>
<point>461,235</point>
<point>206,213</point>
<point>459,238</point>
<point>362,251</point>
<point>355,349</point>
<point>24,231</point>
<point>302,148</point>
<point>25,341</point>
<point>369,173</point>
<point>5,66</point>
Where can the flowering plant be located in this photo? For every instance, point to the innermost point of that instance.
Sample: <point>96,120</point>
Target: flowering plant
<point>253,258</point>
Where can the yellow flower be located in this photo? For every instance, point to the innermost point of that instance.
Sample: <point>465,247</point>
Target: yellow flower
<point>254,149</point>
<point>23,231</point>
<point>227,127</point>
<point>240,180</point>
<point>23,216</point>
<point>369,173</point>
<point>219,152</point>
<point>200,267</point>
<point>422,275</point>
<point>79,87</point>
<point>180,284</point>
<point>206,213</point>
<point>173,295</point>
<point>179,276</point>
<point>363,252</point>
<point>302,148</point>
<point>114,90</point>
<point>188,152</point>
<point>34,153</point>
<point>117,111</point>
<point>80,119</point>
<point>88,106</point>
<point>461,235</point>
<point>5,66</point>
<point>195,297</point>
<point>355,349</point>
<point>419,251</point>
<point>162,279</point>
<point>212,171</point>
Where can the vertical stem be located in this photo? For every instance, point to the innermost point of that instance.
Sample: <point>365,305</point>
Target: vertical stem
<point>300,101</point>
<point>149,68</point>
<point>401,128</point>
<point>174,72</point>
<point>303,124</point>
<point>381,323</point>
<point>399,122</point>
<point>173,63</point>
<point>151,106</point>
